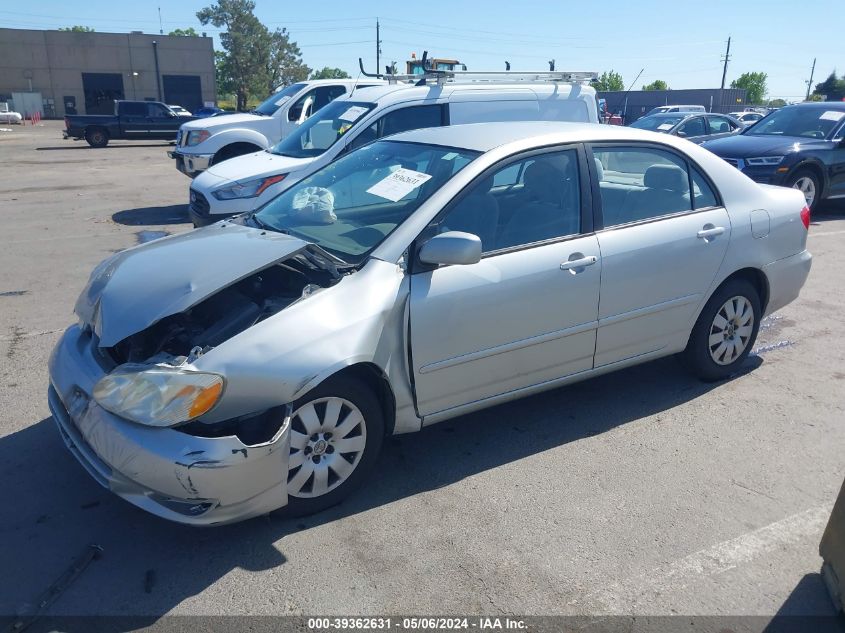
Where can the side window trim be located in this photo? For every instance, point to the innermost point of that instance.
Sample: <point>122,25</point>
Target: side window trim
<point>688,162</point>
<point>585,197</point>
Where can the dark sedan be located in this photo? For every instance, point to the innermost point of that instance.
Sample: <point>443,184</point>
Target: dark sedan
<point>800,146</point>
<point>693,126</point>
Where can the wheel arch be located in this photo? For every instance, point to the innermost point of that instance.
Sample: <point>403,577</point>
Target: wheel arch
<point>231,150</point>
<point>756,278</point>
<point>817,169</point>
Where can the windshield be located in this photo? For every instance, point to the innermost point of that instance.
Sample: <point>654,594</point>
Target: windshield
<point>322,130</point>
<point>276,100</point>
<point>657,123</point>
<point>350,206</point>
<point>798,121</point>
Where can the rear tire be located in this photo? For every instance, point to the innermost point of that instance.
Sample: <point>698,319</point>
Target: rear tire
<point>97,137</point>
<point>725,331</point>
<point>324,423</point>
<point>807,183</point>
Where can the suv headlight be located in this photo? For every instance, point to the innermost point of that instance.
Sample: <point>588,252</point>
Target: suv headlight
<point>158,396</point>
<point>247,189</point>
<point>764,160</point>
<point>195,137</point>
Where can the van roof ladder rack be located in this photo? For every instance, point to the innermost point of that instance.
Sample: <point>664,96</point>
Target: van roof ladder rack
<point>440,77</point>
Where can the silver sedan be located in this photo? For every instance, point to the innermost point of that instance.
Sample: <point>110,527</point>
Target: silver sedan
<point>260,362</point>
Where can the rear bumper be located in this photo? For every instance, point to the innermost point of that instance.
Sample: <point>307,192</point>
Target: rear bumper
<point>190,164</point>
<point>786,278</point>
<point>174,475</point>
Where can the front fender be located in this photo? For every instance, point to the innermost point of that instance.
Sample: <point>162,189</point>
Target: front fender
<point>218,141</point>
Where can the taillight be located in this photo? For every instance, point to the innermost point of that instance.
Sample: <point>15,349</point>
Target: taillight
<point>805,217</point>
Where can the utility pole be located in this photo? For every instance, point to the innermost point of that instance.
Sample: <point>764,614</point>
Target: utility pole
<point>378,48</point>
<point>810,81</point>
<point>726,59</point>
<point>160,26</point>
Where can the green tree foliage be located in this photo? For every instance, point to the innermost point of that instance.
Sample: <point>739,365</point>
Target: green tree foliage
<point>609,81</point>
<point>832,88</point>
<point>815,97</point>
<point>329,73</point>
<point>188,32</point>
<point>657,84</point>
<point>776,103</point>
<point>754,84</point>
<point>255,61</point>
<point>77,29</point>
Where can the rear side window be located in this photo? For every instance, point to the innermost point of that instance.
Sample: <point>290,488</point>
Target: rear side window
<point>641,183</point>
<point>692,127</point>
<point>703,195</point>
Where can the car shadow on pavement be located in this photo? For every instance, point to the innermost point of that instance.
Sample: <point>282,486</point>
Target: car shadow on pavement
<point>52,509</point>
<point>147,216</point>
<point>107,147</point>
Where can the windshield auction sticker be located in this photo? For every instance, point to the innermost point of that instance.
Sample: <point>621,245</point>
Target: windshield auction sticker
<point>352,114</point>
<point>398,184</point>
<point>832,115</point>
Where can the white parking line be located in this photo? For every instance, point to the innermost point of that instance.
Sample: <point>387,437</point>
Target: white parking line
<point>827,233</point>
<point>619,598</point>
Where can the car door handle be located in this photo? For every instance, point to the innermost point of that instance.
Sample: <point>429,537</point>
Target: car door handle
<point>710,231</point>
<point>581,262</point>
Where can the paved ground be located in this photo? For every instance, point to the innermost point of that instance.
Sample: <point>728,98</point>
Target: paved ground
<point>643,492</point>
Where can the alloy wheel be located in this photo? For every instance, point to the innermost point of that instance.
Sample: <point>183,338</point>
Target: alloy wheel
<point>327,441</point>
<point>807,186</point>
<point>731,330</point>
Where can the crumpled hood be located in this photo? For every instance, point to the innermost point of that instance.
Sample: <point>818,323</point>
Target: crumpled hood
<point>753,145</point>
<point>225,120</point>
<point>256,165</point>
<point>140,286</point>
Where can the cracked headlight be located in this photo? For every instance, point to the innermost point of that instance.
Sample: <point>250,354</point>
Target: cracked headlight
<point>247,189</point>
<point>764,160</point>
<point>158,395</point>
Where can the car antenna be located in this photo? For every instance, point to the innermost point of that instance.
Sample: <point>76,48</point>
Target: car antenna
<point>355,85</point>
<point>625,96</point>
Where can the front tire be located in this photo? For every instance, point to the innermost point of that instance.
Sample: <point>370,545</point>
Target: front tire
<point>725,331</point>
<point>808,184</point>
<point>337,431</point>
<point>97,137</point>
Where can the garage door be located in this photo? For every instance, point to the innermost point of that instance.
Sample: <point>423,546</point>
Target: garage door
<point>183,90</point>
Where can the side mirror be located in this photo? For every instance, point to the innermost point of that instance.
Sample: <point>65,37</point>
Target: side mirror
<point>452,247</point>
<point>681,134</point>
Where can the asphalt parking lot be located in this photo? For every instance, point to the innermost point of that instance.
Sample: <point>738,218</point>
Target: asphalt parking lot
<point>643,492</point>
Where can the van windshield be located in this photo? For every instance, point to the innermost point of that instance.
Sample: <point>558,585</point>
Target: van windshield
<point>322,130</point>
<point>276,100</point>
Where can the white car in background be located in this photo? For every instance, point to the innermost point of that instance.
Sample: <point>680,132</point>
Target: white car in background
<point>8,116</point>
<point>225,372</point>
<point>210,140</point>
<point>245,183</point>
<point>179,110</point>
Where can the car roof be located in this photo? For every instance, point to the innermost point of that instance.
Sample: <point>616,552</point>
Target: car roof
<point>826,105</point>
<point>482,137</point>
<point>672,115</point>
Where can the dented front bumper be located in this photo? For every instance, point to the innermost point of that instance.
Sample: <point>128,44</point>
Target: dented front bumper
<point>188,479</point>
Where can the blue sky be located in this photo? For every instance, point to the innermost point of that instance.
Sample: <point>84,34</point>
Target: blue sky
<point>679,42</point>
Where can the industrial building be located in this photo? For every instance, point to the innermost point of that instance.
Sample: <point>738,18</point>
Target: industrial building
<point>636,103</point>
<point>64,72</point>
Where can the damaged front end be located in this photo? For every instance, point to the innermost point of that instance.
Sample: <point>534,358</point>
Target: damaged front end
<point>117,378</point>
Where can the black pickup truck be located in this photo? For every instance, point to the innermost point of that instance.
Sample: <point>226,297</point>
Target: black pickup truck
<point>131,120</point>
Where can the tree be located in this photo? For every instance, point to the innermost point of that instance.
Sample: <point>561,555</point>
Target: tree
<point>329,73</point>
<point>284,64</point>
<point>77,29</point>
<point>188,32</point>
<point>255,61</point>
<point>609,81</point>
<point>832,88</point>
<point>776,103</point>
<point>657,84</point>
<point>754,84</point>
<point>815,97</point>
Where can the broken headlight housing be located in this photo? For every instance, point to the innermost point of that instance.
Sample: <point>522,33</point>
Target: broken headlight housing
<point>158,395</point>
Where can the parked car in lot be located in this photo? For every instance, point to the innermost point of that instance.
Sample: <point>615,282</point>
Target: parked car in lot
<point>131,120</point>
<point>180,111</point>
<point>245,183</point>
<point>223,136</point>
<point>693,127</point>
<point>676,108</point>
<point>9,116</point>
<point>208,111</point>
<point>747,118</point>
<point>800,146</point>
<point>225,372</point>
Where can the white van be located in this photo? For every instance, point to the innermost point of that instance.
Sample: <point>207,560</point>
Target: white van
<point>247,182</point>
<point>676,108</point>
<point>208,141</point>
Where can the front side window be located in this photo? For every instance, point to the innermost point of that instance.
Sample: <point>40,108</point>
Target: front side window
<point>156,111</point>
<point>350,206</point>
<point>538,199</point>
<point>322,130</point>
<point>276,100</point>
<point>401,120</point>
<point>641,183</point>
